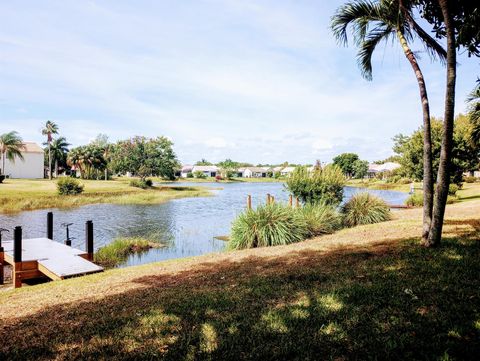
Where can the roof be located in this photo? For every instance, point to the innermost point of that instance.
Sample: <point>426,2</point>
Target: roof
<point>288,169</point>
<point>205,168</point>
<point>385,167</point>
<point>32,147</point>
<point>254,169</point>
<point>187,168</point>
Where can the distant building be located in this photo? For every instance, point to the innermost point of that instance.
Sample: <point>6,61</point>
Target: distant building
<point>252,172</point>
<point>32,165</point>
<point>208,170</point>
<point>374,169</point>
<point>287,170</point>
<point>185,170</point>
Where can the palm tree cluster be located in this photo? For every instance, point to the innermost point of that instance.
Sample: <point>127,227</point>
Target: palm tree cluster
<point>11,147</point>
<point>57,148</point>
<point>89,160</point>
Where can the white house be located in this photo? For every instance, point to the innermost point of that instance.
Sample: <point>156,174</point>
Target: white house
<point>287,170</point>
<point>252,172</point>
<point>374,169</point>
<point>208,170</point>
<point>185,170</point>
<point>32,165</point>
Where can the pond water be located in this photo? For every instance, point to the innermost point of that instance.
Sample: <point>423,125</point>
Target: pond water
<point>187,226</point>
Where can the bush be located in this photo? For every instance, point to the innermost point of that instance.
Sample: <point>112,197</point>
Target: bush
<point>364,208</point>
<point>467,179</point>
<point>415,200</point>
<point>453,189</point>
<point>199,174</point>
<point>404,181</point>
<point>189,175</point>
<point>139,183</point>
<point>321,219</point>
<point>268,225</point>
<point>69,186</point>
<point>2,178</point>
<point>320,186</point>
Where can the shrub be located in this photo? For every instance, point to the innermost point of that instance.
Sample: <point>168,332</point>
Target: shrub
<point>404,181</point>
<point>268,225</point>
<point>139,183</point>
<point>69,186</point>
<point>364,208</point>
<point>468,179</point>
<point>199,174</point>
<point>415,200</point>
<point>118,251</point>
<point>189,175</point>
<point>148,182</point>
<point>2,178</point>
<point>321,219</point>
<point>453,189</point>
<point>322,185</point>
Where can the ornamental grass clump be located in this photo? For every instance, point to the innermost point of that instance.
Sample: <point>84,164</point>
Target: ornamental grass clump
<point>117,252</point>
<point>321,219</point>
<point>268,225</point>
<point>365,208</point>
<point>69,186</point>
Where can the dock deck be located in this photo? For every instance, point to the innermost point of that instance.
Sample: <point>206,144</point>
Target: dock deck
<point>44,257</point>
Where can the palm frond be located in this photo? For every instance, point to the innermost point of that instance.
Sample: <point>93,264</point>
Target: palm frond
<point>364,56</point>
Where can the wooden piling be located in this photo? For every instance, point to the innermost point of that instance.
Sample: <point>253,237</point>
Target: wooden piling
<point>89,239</point>
<point>290,201</point>
<point>272,199</point>
<point>268,198</point>
<point>249,202</point>
<point>17,257</point>
<point>2,261</point>
<point>297,202</point>
<point>50,225</point>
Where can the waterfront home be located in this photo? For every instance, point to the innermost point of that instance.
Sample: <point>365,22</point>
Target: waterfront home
<point>286,171</point>
<point>185,170</point>
<point>252,172</point>
<point>207,170</point>
<point>32,165</point>
<point>385,168</point>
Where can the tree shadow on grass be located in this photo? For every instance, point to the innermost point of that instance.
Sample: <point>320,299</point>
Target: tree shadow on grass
<point>390,301</point>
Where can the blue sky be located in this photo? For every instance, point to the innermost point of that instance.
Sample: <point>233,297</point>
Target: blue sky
<point>258,81</point>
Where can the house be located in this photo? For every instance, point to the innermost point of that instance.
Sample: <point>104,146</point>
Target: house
<point>374,169</point>
<point>208,170</point>
<point>252,172</point>
<point>286,171</point>
<point>32,165</point>
<point>185,170</point>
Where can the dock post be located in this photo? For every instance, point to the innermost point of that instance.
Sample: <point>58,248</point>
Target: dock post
<point>50,225</point>
<point>268,198</point>
<point>272,199</point>
<point>249,202</point>
<point>89,239</point>
<point>290,201</point>
<point>2,260</point>
<point>17,257</point>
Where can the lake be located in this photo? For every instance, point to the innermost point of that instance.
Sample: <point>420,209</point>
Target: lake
<point>187,226</point>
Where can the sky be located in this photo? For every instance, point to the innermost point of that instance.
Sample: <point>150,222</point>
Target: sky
<point>260,81</point>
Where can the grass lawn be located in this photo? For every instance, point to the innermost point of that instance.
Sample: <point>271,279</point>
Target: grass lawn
<point>369,292</point>
<point>20,195</point>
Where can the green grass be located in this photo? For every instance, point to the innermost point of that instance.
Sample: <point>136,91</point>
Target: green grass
<point>321,219</point>
<point>117,252</point>
<point>381,185</point>
<point>18,195</point>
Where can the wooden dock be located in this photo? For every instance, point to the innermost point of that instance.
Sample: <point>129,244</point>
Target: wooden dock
<point>43,257</point>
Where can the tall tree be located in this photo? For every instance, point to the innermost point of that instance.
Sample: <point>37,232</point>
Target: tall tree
<point>457,22</point>
<point>474,113</point>
<point>50,129</point>
<point>11,146</point>
<point>374,22</point>
<point>345,161</point>
<point>59,150</point>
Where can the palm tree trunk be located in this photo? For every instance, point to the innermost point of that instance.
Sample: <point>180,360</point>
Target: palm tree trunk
<point>3,164</point>
<point>443,178</point>
<point>427,140</point>
<point>49,161</point>
<point>56,168</point>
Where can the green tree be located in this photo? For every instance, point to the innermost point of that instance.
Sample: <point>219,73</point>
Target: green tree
<point>59,150</point>
<point>228,168</point>
<point>50,129</point>
<point>88,160</point>
<point>203,162</point>
<point>345,162</point>
<point>319,186</point>
<point>143,157</point>
<point>373,22</point>
<point>11,147</point>
<point>474,113</point>
<point>457,22</point>
<point>360,168</point>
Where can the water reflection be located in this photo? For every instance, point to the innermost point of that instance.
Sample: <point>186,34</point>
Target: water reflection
<point>187,226</point>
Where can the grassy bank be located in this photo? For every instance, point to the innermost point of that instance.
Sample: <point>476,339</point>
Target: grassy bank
<point>382,185</point>
<point>20,195</point>
<point>364,292</point>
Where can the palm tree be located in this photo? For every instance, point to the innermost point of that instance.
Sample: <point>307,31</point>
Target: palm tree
<point>59,149</point>
<point>374,22</point>
<point>11,146</point>
<point>49,129</point>
<point>474,113</point>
